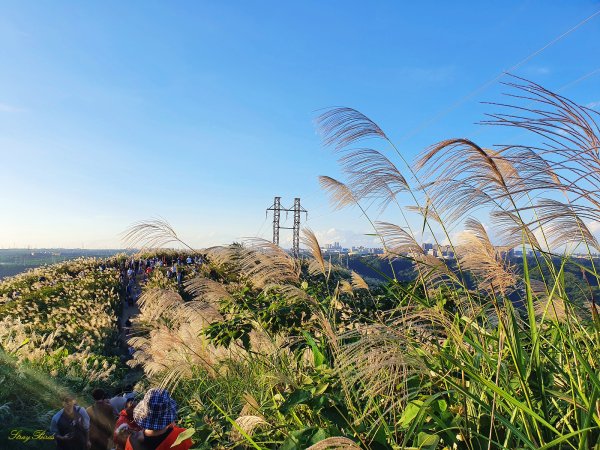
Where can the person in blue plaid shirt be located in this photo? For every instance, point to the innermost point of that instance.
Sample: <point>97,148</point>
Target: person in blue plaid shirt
<point>156,414</point>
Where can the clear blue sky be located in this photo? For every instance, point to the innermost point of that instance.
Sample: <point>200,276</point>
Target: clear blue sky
<point>201,112</point>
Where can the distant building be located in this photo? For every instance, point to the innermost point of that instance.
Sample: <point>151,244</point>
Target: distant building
<point>439,251</point>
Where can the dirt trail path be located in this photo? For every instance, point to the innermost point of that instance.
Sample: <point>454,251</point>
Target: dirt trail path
<point>129,312</point>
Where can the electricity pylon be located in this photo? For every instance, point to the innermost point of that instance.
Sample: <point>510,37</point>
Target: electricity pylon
<point>297,209</point>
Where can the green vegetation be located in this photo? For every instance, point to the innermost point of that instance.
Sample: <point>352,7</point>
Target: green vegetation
<point>265,351</point>
<point>58,333</point>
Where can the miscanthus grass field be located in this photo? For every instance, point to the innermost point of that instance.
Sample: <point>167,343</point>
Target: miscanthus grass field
<point>265,351</point>
<point>58,332</point>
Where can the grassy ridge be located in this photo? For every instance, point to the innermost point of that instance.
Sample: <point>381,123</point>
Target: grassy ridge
<point>58,333</point>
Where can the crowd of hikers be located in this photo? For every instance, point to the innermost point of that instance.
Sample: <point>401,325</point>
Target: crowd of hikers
<point>175,268</point>
<point>120,423</point>
<point>126,422</point>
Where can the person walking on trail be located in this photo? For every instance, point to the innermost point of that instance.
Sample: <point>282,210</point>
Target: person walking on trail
<point>70,426</point>
<point>156,414</point>
<point>102,419</point>
<point>179,274</point>
<point>130,292</point>
<point>125,425</point>
<point>118,402</point>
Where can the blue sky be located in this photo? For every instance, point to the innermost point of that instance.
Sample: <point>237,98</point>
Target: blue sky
<point>202,112</point>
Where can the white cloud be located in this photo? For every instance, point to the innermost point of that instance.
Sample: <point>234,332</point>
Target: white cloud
<point>593,226</point>
<point>456,238</point>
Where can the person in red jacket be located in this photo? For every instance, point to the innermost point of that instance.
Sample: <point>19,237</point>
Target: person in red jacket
<point>125,425</point>
<point>156,414</point>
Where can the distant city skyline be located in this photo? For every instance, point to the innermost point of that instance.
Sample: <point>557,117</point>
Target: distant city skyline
<point>202,112</point>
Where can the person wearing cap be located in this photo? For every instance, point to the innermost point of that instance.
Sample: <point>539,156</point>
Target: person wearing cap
<point>102,420</point>
<point>125,425</point>
<point>156,415</point>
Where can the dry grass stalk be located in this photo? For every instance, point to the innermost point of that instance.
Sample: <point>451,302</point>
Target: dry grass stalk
<point>264,263</point>
<point>247,424</point>
<point>358,282</point>
<point>340,195</point>
<point>372,175</point>
<point>477,255</point>
<point>554,310</point>
<point>427,212</point>
<point>432,270</point>
<point>568,161</point>
<point>335,443</point>
<point>220,256</point>
<point>342,127</point>
<point>466,176</point>
<point>251,406</point>
<point>154,233</point>
<point>318,263</point>
<point>512,231</point>
<point>345,287</point>
<point>563,223</point>
<point>199,312</point>
<point>289,291</point>
<point>396,240</point>
<point>157,302</point>
<point>377,362</point>
<point>207,290</point>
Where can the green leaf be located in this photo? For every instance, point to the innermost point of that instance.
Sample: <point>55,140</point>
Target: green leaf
<point>188,433</point>
<point>427,441</point>
<point>318,356</point>
<point>319,436</point>
<point>298,439</point>
<point>442,405</point>
<point>297,397</point>
<point>321,388</point>
<point>409,414</point>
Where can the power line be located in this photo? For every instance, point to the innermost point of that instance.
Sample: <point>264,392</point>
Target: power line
<point>261,227</point>
<point>488,83</point>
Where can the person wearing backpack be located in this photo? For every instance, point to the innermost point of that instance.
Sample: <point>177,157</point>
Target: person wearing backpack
<point>102,421</point>
<point>70,426</point>
<point>156,415</point>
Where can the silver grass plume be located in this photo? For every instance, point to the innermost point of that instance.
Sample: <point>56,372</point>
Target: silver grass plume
<point>335,443</point>
<point>466,176</point>
<point>341,127</point>
<point>373,175</point>
<point>358,282</point>
<point>340,195</point>
<point>317,264</point>
<point>477,255</point>
<point>153,233</point>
